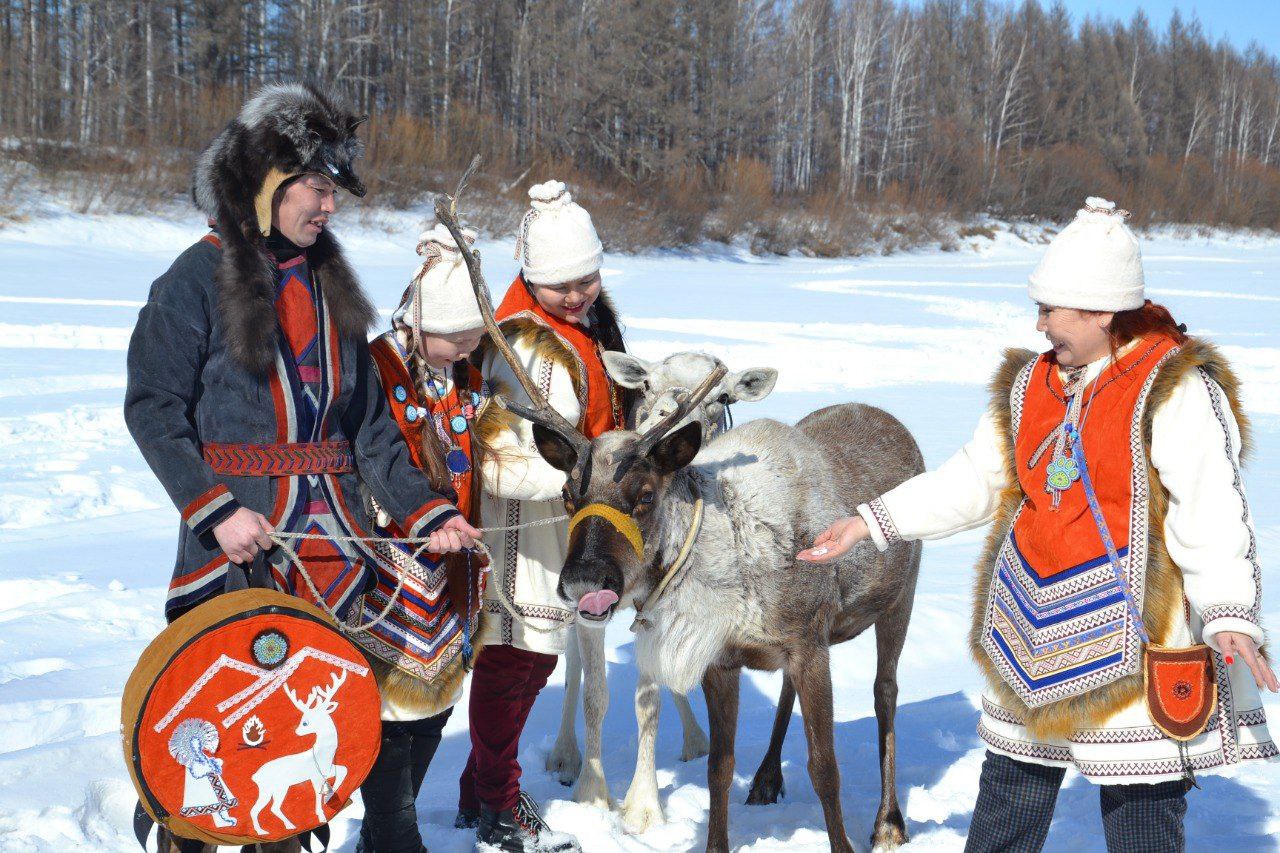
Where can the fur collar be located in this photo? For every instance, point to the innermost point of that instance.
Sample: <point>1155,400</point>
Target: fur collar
<point>529,330</point>
<point>1163,602</point>
<point>245,283</point>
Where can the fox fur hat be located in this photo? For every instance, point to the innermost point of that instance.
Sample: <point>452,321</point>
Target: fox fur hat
<point>283,131</point>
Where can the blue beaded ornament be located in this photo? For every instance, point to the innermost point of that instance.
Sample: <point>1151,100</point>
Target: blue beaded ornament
<point>457,462</point>
<point>458,424</point>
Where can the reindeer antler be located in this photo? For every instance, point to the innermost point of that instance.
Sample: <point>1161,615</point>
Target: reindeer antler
<point>684,406</point>
<point>541,412</point>
<point>293,697</point>
<point>326,693</point>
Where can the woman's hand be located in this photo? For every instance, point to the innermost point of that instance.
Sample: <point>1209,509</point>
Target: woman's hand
<point>454,535</point>
<point>834,542</point>
<point>243,534</point>
<point>1232,643</point>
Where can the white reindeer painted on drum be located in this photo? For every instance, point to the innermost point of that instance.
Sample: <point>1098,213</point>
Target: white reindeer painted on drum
<point>276,777</point>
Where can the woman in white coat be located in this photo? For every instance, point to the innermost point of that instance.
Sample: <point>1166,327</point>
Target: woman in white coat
<point>1122,540</point>
<point>557,320</point>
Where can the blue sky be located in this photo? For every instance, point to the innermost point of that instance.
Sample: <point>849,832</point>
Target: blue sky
<point>1239,21</point>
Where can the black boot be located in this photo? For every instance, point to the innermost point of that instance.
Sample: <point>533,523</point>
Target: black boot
<point>467,819</point>
<point>521,829</point>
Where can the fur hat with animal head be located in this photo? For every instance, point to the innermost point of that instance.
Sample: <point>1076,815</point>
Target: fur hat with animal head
<point>283,131</point>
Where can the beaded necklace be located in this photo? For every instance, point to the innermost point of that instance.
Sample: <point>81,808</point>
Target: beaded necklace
<point>449,422</point>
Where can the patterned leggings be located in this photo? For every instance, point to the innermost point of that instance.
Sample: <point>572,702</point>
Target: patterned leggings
<point>1016,800</point>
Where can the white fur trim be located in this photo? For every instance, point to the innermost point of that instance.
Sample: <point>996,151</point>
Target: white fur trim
<point>1095,264</point>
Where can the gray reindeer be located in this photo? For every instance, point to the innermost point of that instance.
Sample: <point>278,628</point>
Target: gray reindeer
<point>706,540</point>
<point>659,385</point>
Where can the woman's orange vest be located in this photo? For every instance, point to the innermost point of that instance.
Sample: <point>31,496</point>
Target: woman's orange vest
<point>1053,540</point>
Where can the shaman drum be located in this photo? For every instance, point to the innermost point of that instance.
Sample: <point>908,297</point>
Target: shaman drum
<point>249,719</point>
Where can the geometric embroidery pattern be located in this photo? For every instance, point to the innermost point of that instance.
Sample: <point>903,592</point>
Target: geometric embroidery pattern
<point>280,460</point>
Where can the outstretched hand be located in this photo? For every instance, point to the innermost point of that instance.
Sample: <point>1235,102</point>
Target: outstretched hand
<point>1232,644</point>
<point>834,542</point>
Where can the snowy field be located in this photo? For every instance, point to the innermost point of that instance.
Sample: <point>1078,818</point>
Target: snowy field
<point>87,535</point>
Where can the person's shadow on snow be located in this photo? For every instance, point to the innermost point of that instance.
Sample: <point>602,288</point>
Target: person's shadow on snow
<point>939,760</point>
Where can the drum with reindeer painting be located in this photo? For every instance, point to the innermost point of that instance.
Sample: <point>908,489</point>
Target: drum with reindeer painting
<point>249,719</point>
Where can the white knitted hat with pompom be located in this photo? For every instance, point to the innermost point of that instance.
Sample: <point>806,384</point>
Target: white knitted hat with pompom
<point>442,288</point>
<point>1095,264</point>
<point>557,241</point>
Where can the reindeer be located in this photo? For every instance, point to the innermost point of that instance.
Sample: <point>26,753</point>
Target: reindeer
<point>276,777</point>
<point>707,542</point>
<point>659,384</point>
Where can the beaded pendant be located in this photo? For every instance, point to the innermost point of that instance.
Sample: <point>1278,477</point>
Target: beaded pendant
<point>1062,473</point>
<point>457,462</point>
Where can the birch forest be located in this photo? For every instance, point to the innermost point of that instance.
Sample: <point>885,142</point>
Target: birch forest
<point>687,112</point>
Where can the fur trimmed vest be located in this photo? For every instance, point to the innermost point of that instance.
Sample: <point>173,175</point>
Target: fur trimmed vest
<point>1163,598</point>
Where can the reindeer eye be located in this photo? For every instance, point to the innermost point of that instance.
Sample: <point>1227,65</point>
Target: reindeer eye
<point>646,498</point>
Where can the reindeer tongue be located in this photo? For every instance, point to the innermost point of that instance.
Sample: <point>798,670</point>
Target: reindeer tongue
<point>598,603</point>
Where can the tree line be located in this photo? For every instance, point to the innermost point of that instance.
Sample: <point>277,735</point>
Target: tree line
<point>683,109</point>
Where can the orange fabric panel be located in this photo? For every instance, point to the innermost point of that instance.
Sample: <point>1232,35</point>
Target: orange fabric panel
<point>1054,540</point>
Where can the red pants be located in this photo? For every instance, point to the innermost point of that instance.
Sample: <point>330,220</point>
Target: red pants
<point>505,682</point>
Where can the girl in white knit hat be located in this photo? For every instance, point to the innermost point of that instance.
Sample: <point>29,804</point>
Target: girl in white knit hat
<point>429,637</point>
<point>1116,615</point>
<point>558,320</point>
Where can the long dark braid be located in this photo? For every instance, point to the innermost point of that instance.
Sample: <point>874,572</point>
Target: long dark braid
<point>608,333</point>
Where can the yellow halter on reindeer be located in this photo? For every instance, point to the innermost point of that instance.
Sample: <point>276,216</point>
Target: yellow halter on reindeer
<point>616,518</point>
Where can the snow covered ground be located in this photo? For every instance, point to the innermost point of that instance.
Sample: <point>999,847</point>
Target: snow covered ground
<point>87,535</point>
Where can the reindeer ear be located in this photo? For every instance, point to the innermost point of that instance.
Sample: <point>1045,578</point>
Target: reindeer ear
<point>627,370</point>
<point>753,384</point>
<point>553,448</point>
<point>677,449</point>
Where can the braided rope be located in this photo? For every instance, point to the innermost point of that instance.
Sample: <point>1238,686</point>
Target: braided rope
<point>282,540</point>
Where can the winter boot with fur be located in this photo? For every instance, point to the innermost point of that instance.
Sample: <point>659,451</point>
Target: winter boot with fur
<point>521,829</point>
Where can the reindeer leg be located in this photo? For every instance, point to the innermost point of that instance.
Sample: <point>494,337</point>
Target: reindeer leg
<point>257,810</point>
<point>642,808</point>
<point>810,671</point>
<point>720,687</point>
<point>564,759</point>
<point>767,784</point>
<point>275,810</point>
<point>592,788</point>
<point>695,739</point>
<point>891,632</point>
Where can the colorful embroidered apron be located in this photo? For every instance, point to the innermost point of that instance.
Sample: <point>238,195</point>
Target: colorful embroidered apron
<point>1057,623</point>
<point>436,613</point>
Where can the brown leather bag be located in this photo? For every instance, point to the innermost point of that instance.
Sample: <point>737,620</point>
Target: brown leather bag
<point>1181,689</point>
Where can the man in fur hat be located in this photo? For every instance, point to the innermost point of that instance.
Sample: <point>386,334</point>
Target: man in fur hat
<point>251,391</point>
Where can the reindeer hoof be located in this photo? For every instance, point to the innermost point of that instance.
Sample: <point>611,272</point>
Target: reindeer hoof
<point>565,763</point>
<point>592,790</point>
<point>642,813</point>
<point>890,834</point>
<point>695,746</point>
<point>766,788</point>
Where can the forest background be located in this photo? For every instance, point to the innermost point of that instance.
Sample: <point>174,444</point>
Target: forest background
<point>831,127</point>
